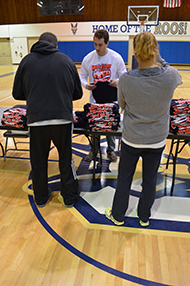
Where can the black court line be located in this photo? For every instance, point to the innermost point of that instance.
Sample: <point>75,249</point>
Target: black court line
<point>183,69</point>
<point>7,74</point>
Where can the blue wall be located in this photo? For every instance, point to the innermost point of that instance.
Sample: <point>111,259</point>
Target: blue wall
<point>172,52</point>
<point>175,52</point>
<point>78,50</point>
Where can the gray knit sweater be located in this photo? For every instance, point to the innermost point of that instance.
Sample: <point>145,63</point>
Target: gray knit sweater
<point>145,95</point>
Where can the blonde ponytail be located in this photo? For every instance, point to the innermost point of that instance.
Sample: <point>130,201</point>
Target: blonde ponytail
<point>145,46</point>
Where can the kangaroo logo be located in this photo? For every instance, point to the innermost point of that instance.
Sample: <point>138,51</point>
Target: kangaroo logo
<point>74,28</point>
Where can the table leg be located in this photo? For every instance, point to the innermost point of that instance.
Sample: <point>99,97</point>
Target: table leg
<point>174,166</point>
<point>95,152</point>
<point>174,157</point>
<point>170,153</point>
<point>2,149</point>
<point>94,158</point>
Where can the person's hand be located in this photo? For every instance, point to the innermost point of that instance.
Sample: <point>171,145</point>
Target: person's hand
<point>90,86</point>
<point>114,82</point>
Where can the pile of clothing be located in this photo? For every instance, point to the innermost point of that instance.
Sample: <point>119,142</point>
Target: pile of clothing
<point>180,116</point>
<point>15,117</point>
<point>98,117</point>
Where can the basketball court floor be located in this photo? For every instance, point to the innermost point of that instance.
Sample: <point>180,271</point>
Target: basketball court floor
<point>55,245</point>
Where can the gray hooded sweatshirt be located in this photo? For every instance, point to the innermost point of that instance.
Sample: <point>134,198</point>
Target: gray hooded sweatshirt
<point>145,95</point>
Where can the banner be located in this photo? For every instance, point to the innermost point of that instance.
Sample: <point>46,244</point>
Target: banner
<point>83,31</point>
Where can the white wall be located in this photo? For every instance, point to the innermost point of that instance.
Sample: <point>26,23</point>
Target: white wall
<point>19,49</point>
<point>83,31</point>
<point>4,31</point>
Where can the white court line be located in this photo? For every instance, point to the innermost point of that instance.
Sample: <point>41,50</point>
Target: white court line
<point>5,98</point>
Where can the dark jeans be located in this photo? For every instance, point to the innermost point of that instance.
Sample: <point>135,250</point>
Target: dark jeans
<point>40,140</point>
<point>127,165</point>
<point>110,143</point>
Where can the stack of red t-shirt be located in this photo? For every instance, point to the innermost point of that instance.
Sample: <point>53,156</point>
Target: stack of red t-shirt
<point>104,117</point>
<point>15,117</point>
<point>180,116</point>
<point>98,117</point>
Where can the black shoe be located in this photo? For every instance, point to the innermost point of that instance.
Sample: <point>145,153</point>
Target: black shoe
<point>69,206</point>
<point>48,200</point>
<point>89,157</point>
<point>112,156</point>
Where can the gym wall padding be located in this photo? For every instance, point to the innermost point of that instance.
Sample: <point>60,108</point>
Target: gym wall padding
<point>175,52</point>
<point>78,50</point>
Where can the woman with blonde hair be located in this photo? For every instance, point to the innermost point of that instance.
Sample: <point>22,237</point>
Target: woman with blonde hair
<point>145,96</point>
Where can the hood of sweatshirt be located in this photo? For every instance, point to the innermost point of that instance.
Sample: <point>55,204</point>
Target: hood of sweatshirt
<point>43,47</point>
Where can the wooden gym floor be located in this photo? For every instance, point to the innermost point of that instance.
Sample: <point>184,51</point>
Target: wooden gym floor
<point>55,246</point>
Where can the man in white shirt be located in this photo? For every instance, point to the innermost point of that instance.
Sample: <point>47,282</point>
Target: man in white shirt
<point>102,64</point>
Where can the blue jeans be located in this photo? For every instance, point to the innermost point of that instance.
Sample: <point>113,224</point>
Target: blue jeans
<point>127,165</point>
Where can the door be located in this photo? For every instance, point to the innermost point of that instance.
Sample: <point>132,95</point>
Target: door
<point>5,52</point>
